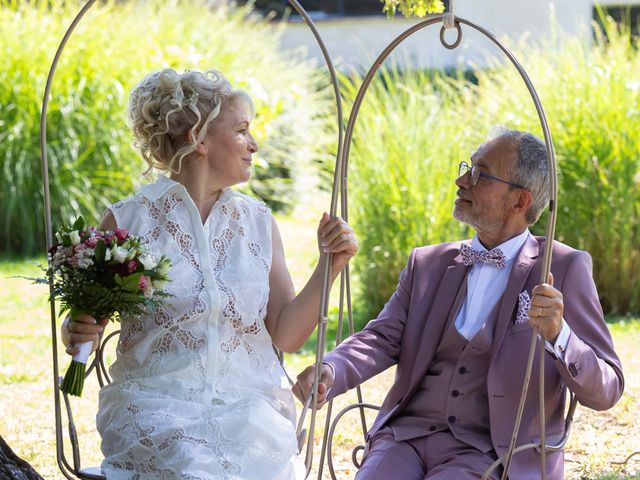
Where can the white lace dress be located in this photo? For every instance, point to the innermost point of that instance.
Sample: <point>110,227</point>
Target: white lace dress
<point>198,392</point>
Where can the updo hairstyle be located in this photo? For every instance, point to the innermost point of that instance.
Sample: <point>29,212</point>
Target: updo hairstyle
<point>166,105</point>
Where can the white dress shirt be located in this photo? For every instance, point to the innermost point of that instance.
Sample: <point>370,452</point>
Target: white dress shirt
<point>486,284</point>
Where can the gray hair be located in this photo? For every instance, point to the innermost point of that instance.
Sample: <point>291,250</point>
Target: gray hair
<point>532,169</point>
<point>166,106</point>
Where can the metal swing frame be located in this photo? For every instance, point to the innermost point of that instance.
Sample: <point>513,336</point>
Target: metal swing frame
<point>448,20</point>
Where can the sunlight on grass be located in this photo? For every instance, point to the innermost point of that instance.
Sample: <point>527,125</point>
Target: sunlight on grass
<point>26,397</point>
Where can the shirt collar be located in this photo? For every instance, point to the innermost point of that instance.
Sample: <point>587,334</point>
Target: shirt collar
<point>162,185</point>
<point>510,248</point>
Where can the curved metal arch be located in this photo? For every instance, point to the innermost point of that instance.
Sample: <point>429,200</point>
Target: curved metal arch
<point>552,207</point>
<point>74,471</point>
<point>340,178</point>
<point>360,406</point>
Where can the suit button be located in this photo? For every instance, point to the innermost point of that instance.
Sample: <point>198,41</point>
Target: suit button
<point>573,370</point>
<point>462,370</point>
<point>432,428</point>
<point>455,393</point>
<point>451,419</point>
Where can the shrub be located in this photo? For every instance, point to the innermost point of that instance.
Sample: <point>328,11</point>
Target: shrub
<point>414,128</point>
<point>92,162</point>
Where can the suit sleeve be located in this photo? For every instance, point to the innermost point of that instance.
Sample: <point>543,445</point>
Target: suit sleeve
<point>591,369</point>
<point>377,346</point>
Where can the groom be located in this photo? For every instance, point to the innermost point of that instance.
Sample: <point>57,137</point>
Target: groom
<point>459,327</point>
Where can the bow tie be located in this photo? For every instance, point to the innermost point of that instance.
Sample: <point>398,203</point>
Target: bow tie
<point>471,256</point>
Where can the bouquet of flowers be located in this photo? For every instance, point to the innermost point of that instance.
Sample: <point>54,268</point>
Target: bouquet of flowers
<point>106,274</point>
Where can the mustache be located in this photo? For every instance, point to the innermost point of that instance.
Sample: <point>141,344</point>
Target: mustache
<point>461,194</point>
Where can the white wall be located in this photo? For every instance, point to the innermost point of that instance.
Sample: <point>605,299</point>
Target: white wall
<point>356,41</point>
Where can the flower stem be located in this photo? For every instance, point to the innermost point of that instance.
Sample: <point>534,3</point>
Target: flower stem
<point>74,379</point>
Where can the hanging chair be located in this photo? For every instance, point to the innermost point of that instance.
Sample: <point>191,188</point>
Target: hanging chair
<point>73,469</point>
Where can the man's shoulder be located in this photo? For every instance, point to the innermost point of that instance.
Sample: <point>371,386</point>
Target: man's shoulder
<point>560,251</point>
<point>440,252</point>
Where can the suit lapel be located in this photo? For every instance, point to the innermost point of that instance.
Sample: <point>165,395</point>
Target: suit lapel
<point>519,273</point>
<point>438,316</point>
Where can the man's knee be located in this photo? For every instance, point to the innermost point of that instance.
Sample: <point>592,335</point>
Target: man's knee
<point>385,458</point>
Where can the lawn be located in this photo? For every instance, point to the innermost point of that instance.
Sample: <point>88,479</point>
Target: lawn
<point>598,441</point>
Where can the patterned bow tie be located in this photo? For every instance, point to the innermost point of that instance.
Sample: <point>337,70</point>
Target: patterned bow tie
<point>471,256</point>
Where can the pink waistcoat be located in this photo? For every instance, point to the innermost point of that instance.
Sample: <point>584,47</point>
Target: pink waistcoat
<point>453,393</point>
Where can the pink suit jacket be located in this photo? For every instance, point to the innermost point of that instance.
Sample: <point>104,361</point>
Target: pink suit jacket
<point>409,328</point>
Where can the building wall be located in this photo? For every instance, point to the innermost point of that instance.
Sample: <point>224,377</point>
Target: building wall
<point>354,42</point>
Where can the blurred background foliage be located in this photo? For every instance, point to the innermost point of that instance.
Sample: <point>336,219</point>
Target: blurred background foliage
<point>91,160</point>
<point>414,127</point>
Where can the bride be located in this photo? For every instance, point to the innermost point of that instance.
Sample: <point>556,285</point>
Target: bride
<point>198,391</point>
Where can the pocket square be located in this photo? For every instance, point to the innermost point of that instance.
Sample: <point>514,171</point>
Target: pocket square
<point>524,302</point>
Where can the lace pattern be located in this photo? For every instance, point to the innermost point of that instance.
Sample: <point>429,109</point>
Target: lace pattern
<point>197,382</point>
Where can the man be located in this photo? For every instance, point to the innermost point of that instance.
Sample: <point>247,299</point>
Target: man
<point>459,326</point>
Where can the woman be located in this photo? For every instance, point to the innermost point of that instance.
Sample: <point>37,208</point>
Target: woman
<point>197,389</point>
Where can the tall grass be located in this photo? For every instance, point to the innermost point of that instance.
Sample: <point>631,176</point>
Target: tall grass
<point>92,162</point>
<point>415,127</point>
<point>405,152</point>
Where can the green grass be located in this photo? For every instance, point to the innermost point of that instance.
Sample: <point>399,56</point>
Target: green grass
<point>26,398</point>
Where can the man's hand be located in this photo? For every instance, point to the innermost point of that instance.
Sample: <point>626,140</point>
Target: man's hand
<point>304,384</point>
<point>546,310</point>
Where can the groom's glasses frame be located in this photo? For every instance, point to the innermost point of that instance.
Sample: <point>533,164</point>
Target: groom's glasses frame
<point>464,168</point>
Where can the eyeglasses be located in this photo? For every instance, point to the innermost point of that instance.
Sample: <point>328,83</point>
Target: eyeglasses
<point>465,168</point>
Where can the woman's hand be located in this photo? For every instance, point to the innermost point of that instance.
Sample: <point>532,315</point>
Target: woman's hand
<point>83,328</point>
<point>337,237</point>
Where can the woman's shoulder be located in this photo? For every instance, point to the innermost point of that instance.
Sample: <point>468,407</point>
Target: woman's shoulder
<point>244,201</point>
<point>122,204</point>
<point>149,192</point>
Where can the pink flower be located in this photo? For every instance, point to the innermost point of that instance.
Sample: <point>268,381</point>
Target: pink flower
<point>79,247</point>
<point>121,234</point>
<point>145,286</point>
<point>91,242</point>
<point>132,266</point>
<point>74,261</point>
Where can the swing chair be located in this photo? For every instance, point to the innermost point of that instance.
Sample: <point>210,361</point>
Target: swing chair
<point>448,21</point>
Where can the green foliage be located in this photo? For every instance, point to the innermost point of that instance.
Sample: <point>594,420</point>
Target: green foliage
<point>91,160</point>
<point>414,128</point>
<point>592,99</point>
<point>406,148</point>
<point>408,8</point>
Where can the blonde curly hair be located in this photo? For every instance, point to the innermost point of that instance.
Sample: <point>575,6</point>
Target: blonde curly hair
<point>167,109</point>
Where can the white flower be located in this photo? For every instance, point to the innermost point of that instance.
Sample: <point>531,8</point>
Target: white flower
<point>74,237</point>
<point>119,254</point>
<point>163,268</point>
<point>159,284</point>
<point>107,255</point>
<point>58,237</point>
<point>148,262</point>
<point>84,262</point>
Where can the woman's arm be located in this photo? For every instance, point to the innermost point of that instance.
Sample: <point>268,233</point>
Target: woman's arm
<point>85,328</point>
<point>290,318</point>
